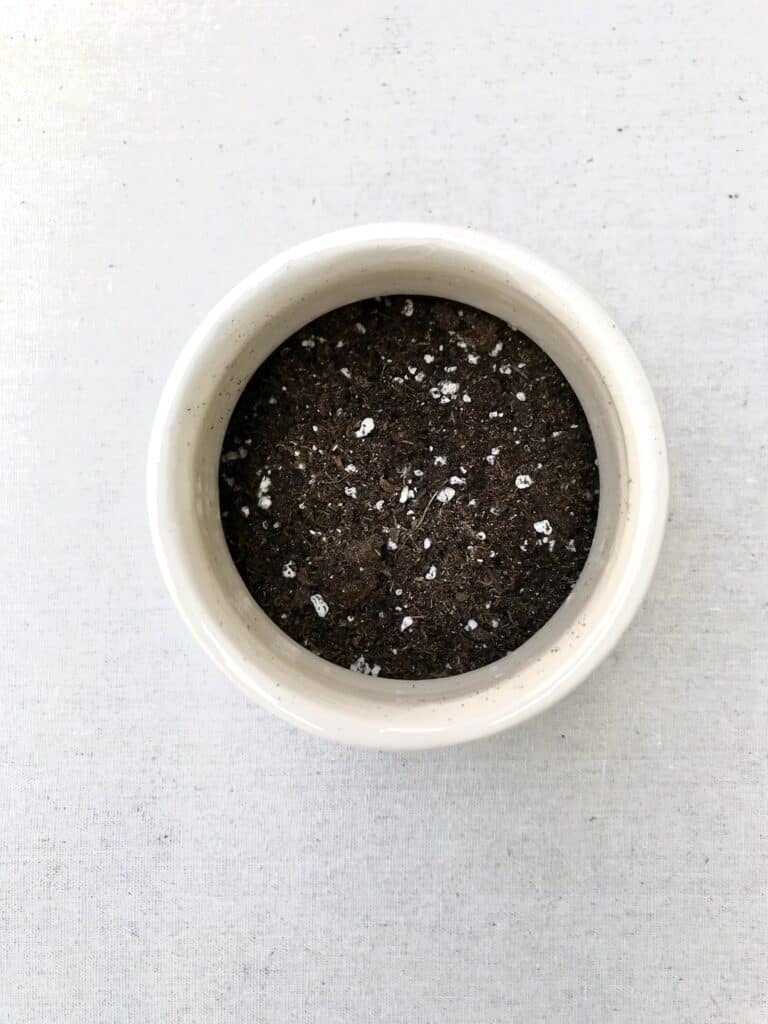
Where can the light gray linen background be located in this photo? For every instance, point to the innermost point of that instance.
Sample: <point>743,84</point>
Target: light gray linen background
<point>169,852</point>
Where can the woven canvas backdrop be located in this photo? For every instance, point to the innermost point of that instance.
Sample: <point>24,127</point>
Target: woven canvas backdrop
<point>170,852</point>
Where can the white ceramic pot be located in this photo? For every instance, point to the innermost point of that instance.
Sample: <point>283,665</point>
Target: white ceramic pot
<point>240,332</point>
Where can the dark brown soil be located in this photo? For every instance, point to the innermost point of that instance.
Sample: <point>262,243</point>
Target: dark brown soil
<point>408,487</point>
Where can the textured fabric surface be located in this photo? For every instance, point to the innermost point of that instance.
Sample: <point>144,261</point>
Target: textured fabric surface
<point>169,851</point>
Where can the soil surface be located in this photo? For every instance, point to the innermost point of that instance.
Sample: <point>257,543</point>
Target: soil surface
<point>409,487</point>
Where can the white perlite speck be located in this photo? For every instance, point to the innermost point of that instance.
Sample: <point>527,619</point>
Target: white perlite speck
<point>431,572</point>
<point>440,460</point>
<point>351,492</point>
<point>445,494</point>
<point>520,396</point>
<point>289,570</point>
<point>351,468</point>
<point>496,350</point>
<point>408,307</point>
<point>264,502</point>
<point>345,372</point>
<point>471,625</point>
<point>360,328</point>
<point>406,493</point>
<point>445,391</point>
<point>427,543</point>
<point>543,526</point>
<point>361,665</point>
<point>429,358</point>
<point>319,604</point>
<point>406,623</point>
<point>365,428</point>
<point>245,511</point>
<point>522,481</point>
<point>391,545</point>
<point>472,358</point>
<point>379,505</point>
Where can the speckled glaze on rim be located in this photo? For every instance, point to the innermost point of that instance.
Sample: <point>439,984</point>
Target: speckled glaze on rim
<point>182,479</point>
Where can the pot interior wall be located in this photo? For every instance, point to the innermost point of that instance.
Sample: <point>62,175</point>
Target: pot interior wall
<point>253,334</point>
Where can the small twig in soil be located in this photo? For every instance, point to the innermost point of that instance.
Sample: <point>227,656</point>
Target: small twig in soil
<point>423,514</point>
